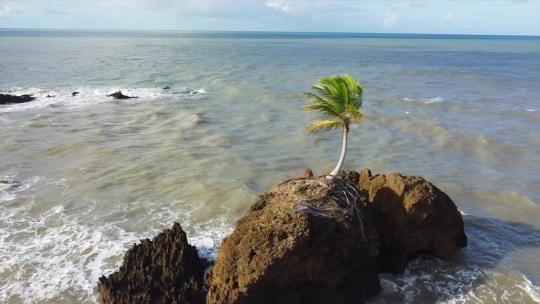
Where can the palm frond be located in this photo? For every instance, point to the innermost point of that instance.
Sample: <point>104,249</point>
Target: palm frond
<point>337,97</point>
<point>353,113</point>
<point>323,109</point>
<point>324,125</point>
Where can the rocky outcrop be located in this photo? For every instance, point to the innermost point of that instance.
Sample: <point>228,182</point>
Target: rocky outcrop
<point>307,240</point>
<point>119,95</point>
<point>13,99</point>
<point>165,270</point>
<point>412,216</point>
<point>302,242</point>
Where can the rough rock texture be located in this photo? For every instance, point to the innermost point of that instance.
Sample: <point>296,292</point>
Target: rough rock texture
<point>412,216</point>
<point>120,95</point>
<point>12,99</point>
<point>299,243</point>
<point>165,270</point>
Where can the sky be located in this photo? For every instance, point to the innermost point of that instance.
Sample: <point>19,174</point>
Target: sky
<point>496,17</point>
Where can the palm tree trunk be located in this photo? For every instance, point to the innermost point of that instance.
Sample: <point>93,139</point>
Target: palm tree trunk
<point>335,172</point>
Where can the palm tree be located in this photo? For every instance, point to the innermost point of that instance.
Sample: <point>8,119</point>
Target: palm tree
<point>339,98</point>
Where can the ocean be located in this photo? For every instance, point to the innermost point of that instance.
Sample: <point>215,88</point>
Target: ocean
<point>85,177</point>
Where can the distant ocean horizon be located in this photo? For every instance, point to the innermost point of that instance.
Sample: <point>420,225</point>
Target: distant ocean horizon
<point>219,120</point>
<point>217,33</point>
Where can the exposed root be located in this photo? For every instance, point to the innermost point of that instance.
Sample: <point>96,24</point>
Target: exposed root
<point>341,192</point>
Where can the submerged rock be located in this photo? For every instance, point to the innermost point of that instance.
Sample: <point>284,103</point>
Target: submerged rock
<point>412,217</point>
<point>189,91</point>
<point>302,242</point>
<point>13,99</point>
<point>164,270</point>
<point>119,95</point>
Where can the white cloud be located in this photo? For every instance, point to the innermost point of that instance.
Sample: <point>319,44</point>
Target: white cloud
<point>280,6</point>
<point>391,18</point>
<point>4,12</point>
<point>450,17</point>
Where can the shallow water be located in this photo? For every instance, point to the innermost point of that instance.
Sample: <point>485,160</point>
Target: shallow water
<point>89,176</point>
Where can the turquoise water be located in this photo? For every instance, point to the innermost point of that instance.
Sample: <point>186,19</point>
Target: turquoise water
<point>89,175</point>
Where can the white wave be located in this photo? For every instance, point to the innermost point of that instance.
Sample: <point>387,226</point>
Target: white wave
<point>59,253</point>
<point>11,186</point>
<point>91,96</point>
<point>435,100</point>
<point>530,289</point>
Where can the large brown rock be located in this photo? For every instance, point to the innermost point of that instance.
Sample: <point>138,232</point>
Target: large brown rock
<point>165,270</point>
<point>412,216</point>
<point>302,242</point>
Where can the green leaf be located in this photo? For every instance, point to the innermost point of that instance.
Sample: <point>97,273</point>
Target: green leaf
<point>336,97</point>
<point>324,125</point>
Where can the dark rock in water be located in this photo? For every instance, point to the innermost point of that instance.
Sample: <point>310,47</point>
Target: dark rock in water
<point>11,185</point>
<point>74,94</point>
<point>164,270</point>
<point>189,92</point>
<point>119,95</point>
<point>412,216</point>
<point>50,96</point>
<point>13,99</point>
<point>302,242</point>
<point>167,88</point>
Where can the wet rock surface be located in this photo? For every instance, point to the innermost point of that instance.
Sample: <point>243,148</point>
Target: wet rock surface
<point>6,99</point>
<point>120,95</point>
<point>412,216</point>
<point>302,242</point>
<point>164,270</point>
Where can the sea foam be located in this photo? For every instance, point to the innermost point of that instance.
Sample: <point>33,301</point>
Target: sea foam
<point>88,96</point>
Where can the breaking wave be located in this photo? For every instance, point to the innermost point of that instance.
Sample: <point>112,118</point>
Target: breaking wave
<point>90,96</point>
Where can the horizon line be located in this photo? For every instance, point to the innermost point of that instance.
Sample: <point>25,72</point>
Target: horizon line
<point>260,32</point>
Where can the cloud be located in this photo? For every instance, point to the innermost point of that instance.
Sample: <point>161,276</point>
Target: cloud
<point>280,6</point>
<point>391,18</point>
<point>5,11</point>
<point>418,3</point>
<point>450,17</point>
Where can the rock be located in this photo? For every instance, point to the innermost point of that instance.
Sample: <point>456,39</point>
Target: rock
<point>308,173</point>
<point>13,99</point>
<point>412,217</point>
<point>189,91</point>
<point>119,95</point>
<point>164,270</point>
<point>299,243</point>
<point>74,94</point>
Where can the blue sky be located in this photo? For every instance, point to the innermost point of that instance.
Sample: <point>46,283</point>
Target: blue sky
<point>374,16</point>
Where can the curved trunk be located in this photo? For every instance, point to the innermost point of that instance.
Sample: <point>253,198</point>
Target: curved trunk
<point>335,172</point>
